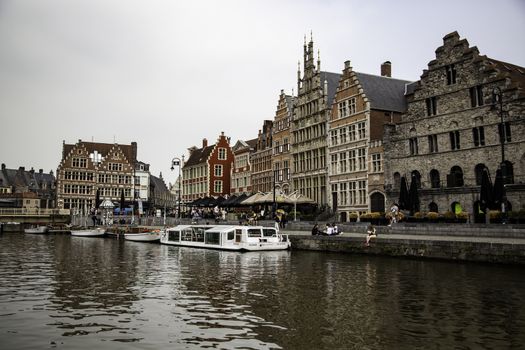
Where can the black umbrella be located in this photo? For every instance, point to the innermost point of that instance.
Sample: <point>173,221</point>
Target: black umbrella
<point>403,194</point>
<point>485,191</point>
<point>498,191</point>
<point>238,200</point>
<point>97,198</point>
<point>229,202</point>
<point>121,200</point>
<point>413,196</point>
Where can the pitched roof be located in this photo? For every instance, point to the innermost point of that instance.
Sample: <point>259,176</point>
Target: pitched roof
<point>158,183</point>
<point>384,93</point>
<point>252,143</point>
<point>199,155</point>
<point>333,81</point>
<point>104,148</point>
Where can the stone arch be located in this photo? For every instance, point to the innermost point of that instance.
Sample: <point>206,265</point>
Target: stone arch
<point>415,175</point>
<point>435,182</point>
<point>397,180</point>
<point>377,202</point>
<point>455,177</point>
<point>432,206</point>
<point>343,216</point>
<point>478,171</point>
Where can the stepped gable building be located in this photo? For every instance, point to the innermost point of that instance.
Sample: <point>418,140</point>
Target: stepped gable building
<point>452,131</point>
<point>208,170</point>
<point>88,167</point>
<point>23,188</point>
<point>242,168</point>
<point>316,90</point>
<point>261,160</point>
<point>282,139</point>
<point>363,104</point>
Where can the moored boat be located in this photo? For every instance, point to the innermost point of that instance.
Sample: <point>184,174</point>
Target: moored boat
<point>147,236</point>
<point>239,238</point>
<point>89,232</point>
<point>37,229</point>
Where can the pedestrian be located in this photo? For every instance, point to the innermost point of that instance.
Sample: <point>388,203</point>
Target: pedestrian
<point>315,230</point>
<point>394,211</point>
<point>370,233</point>
<point>335,229</point>
<point>277,223</point>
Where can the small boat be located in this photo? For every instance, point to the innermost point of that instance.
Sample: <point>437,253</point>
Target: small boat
<point>37,229</point>
<point>89,232</point>
<point>237,238</point>
<point>147,236</point>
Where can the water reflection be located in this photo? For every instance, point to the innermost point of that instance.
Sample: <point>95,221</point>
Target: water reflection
<point>80,292</point>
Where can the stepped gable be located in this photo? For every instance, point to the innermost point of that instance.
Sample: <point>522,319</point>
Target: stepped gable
<point>103,149</point>
<point>384,93</point>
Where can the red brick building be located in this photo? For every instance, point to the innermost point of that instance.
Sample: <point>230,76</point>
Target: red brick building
<point>208,170</point>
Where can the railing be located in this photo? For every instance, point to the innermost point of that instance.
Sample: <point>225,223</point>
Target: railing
<point>32,212</point>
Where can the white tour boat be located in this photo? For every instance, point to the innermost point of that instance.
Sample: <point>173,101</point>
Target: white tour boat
<point>89,232</point>
<point>147,236</point>
<point>37,229</point>
<point>240,238</point>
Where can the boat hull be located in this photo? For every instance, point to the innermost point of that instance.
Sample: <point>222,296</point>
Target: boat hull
<point>39,229</point>
<point>97,232</point>
<point>143,237</point>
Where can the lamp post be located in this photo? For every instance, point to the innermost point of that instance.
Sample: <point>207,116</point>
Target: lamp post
<point>177,162</point>
<point>497,104</point>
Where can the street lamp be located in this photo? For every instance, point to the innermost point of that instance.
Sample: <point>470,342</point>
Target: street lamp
<point>497,104</point>
<point>177,162</point>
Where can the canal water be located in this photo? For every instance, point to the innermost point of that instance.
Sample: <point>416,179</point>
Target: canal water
<point>58,291</point>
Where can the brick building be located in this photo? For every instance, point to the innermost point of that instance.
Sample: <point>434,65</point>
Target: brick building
<point>363,104</point>
<point>23,188</point>
<point>242,168</point>
<point>208,170</point>
<point>312,108</point>
<point>89,166</point>
<point>452,132</point>
<point>282,139</point>
<point>261,160</point>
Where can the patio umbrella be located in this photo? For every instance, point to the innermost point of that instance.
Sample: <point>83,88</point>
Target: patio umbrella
<point>298,198</point>
<point>403,194</point>
<point>485,191</point>
<point>413,196</point>
<point>498,191</point>
<point>230,201</point>
<point>252,199</point>
<point>268,198</point>
<point>220,200</point>
<point>238,201</point>
<point>97,198</point>
<point>121,200</point>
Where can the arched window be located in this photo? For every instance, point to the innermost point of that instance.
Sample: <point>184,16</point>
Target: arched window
<point>433,207</point>
<point>478,170</point>
<point>509,171</point>
<point>434,178</point>
<point>416,176</point>
<point>397,180</point>
<point>455,178</point>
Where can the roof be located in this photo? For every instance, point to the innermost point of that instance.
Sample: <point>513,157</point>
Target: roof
<point>158,183</point>
<point>130,151</point>
<point>333,81</point>
<point>252,143</point>
<point>384,93</point>
<point>199,155</point>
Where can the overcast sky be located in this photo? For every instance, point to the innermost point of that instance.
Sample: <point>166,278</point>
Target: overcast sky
<point>168,73</point>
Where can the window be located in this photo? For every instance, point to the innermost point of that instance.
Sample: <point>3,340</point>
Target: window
<point>334,163</point>
<point>432,144</point>
<point>351,133</point>
<point>478,170</point>
<point>362,192</point>
<point>476,96</point>
<point>352,161</point>
<point>454,140</point>
<point>478,134</point>
<point>217,186</point>
<point>343,111</point>
<point>451,74</point>
<point>434,178</point>
<point>351,106</point>
<point>352,192</point>
<point>333,137</point>
<point>222,153</point>
<point>79,162</point>
<point>217,170</point>
<point>412,143</point>
<point>343,194</point>
<point>342,135</point>
<point>431,106</point>
<point>361,130</point>
<point>455,178</point>
<point>361,158</point>
<point>342,162</point>
<point>376,163</point>
<point>504,132</point>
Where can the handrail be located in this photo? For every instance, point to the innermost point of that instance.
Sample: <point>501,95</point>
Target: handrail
<point>33,211</point>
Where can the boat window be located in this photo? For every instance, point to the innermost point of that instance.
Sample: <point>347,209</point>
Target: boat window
<point>174,236</point>
<point>254,232</point>
<point>213,237</point>
<point>199,234</point>
<point>238,235</point>
<point>187,235</point>
<point>231,235</point>
<point>268,232</point>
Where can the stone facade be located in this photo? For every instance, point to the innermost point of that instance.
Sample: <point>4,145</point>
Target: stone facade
<point>89,166</point>
<point>27,188</point>
<point>261,160</point>
<point>451,131</point>
<point>282,137</point>
<point>242,168</point>
<point>363,103</point>
<point>309,127</point>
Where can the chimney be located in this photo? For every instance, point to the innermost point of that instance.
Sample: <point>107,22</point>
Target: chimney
<point>347,64</point>
<point>204,143</point>
<point>386,69</point>
<point>3,166</point>
<point>22,169</point>
<point>40,171</point>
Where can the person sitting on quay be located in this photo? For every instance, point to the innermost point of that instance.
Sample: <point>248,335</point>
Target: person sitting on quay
<point>336,229</point>
<point>370,233</point>
<point>329,230</point>
<point>315,230</point>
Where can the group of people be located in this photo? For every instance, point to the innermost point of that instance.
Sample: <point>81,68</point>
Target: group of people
<point>330,230</point>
